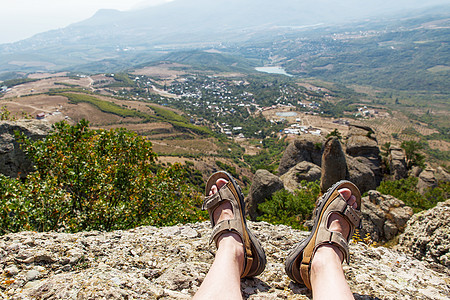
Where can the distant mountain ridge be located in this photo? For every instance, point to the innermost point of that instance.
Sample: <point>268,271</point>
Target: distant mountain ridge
<point>190,24</point>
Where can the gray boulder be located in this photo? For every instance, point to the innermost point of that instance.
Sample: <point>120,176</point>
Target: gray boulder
<point>384,216</point>
<point>13,161</point>
<point>362,144</point>
<point>427,235</point>
<point>430,178</point>
<point>361,174</point>
<point>427,179</point>
<point>302,171</point>
<point>334,164</point>
<point>442,175</point>
<point>263,186</point>
<point>306,148</point>
<point>415,171</point>
<point>397,163</point>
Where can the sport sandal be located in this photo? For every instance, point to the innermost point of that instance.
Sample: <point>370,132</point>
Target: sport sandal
<point>254,256</point>
<point>298,262</point>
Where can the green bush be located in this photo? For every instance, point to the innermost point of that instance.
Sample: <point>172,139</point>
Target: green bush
<point>290,209</point>
<point>405,190</point>
<point>95,180</point>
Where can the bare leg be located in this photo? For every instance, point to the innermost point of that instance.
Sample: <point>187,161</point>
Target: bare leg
<point>327,276</point>
<point>223,278</point>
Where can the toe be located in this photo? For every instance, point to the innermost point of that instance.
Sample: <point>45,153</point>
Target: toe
<point>221,182</point>
<point>351,199</point>
<point>346,193</point>
<point>213,190</point>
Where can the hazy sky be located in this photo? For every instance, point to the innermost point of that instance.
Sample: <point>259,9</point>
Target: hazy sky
<point>20,19</point>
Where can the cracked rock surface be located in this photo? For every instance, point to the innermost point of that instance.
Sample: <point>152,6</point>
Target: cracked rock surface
<point>171,262</point>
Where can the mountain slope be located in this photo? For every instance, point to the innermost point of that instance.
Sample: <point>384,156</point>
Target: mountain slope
<point>111,34</point>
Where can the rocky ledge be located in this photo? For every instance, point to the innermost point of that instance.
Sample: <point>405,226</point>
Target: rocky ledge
<point>171,262</point>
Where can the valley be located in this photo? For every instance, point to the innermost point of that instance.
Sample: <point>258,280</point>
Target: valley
<point>205,117</point>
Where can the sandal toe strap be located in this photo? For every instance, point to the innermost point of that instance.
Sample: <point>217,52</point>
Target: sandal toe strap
<point>211,202</point>
<point>352,215</point>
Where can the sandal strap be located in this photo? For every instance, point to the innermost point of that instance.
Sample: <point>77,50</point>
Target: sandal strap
<point>223,194</point>
<point>333,238</point>
<point>225,226</point>
<point>352,215</point>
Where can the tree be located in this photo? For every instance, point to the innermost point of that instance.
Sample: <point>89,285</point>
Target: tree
<point>413,157</point>
<point>336,133</point>
<point>96,180</point>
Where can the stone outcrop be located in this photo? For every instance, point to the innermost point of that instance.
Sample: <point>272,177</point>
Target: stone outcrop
<point>415,171</point>
<point>361,141</point>
<point>427,180</point>
<point>171,262</point>
<point>263,186</point>
<point>13,161</point>
<point>442,175</point>
<point>361,174</point>
<point>397,163</point>
<point>427,235</point>
<point>334,164</point>
<point>362,144</point>
<point>384,216</point>
<point>302,171</point>
<point>306,148</point>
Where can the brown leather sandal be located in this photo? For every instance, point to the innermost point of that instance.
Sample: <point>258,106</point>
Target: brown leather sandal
<point>298,262</point>
<point>255,257</point>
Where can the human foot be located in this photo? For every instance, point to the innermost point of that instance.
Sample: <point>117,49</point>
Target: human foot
<point>225,204</point>
<point>337,214</point>
<point>229,239</point>
<point>336,223</point>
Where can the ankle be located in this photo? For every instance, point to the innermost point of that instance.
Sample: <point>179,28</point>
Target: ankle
<point>231,242</point>
<point>326,257</point>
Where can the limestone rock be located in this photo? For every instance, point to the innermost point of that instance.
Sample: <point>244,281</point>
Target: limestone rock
<point>415,171</point>
<point>13,161</point>
<point>427,235</point>
<point>361,141</point>
<point>362,144</point>
<point>397,163</point>
<point>334,164</point>
<point>149,263</point>
<point>427,179</point>
<point>306,148</point>
<point>384,216</point>
<point>361,174</point>
<point>442,175</point>
<point>263,186</point>
<point>302,171</point>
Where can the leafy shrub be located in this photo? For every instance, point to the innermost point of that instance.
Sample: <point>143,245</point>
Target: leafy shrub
<point>335,133</point>
<point>95,179</point>
<point>405,190</point>
<point>290,209</point>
